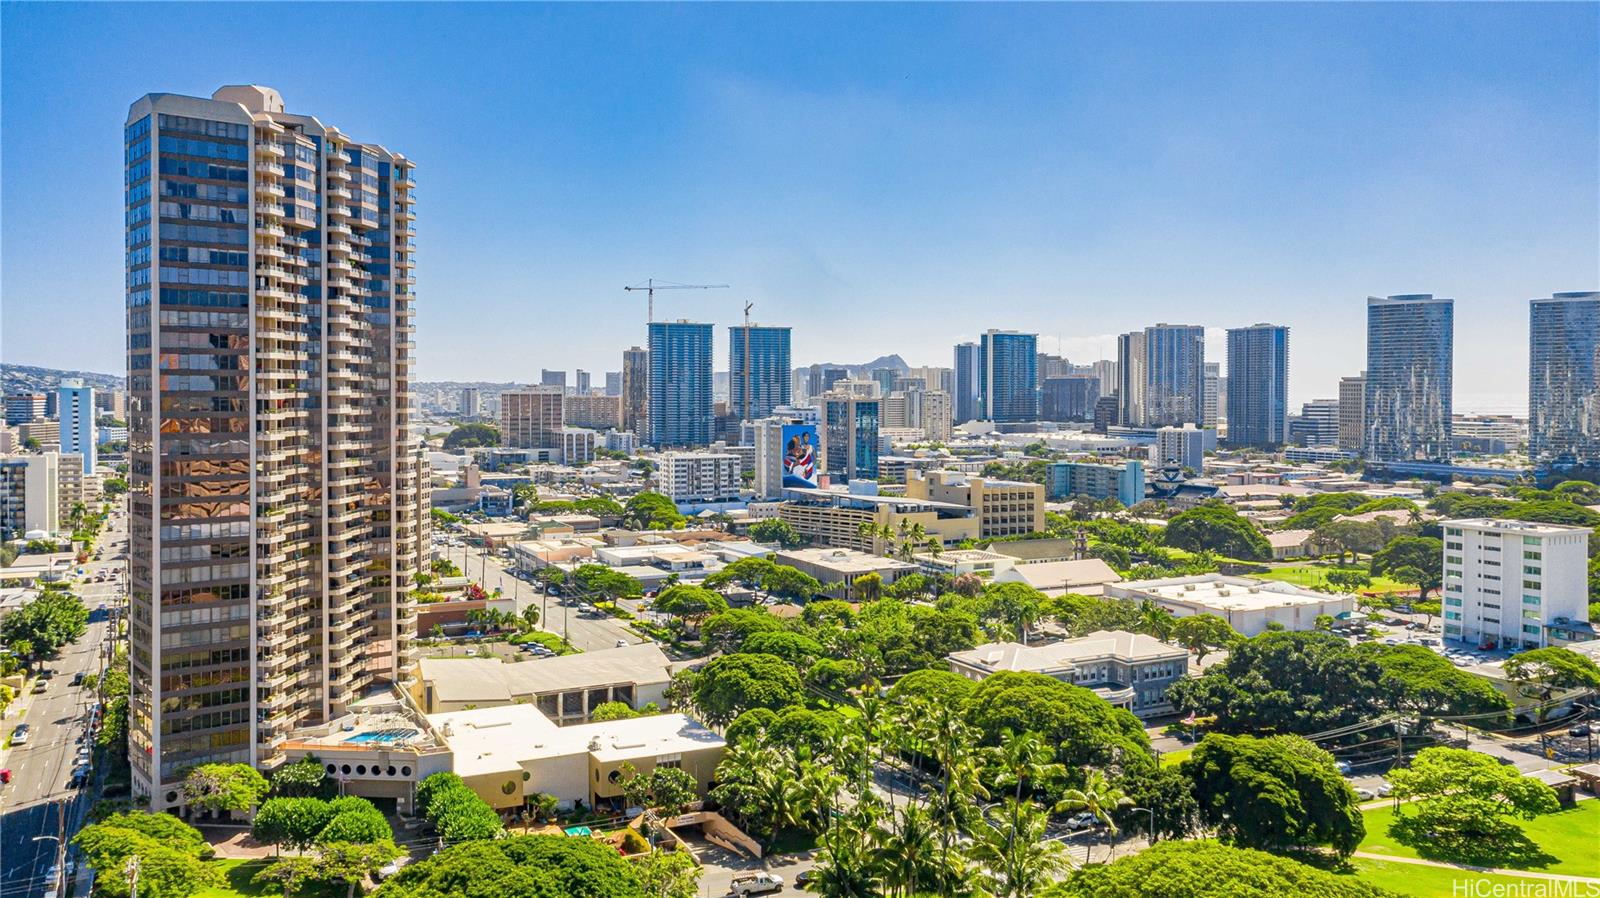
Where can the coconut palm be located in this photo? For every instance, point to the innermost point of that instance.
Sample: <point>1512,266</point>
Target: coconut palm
<point>1098,797</point>
<point>1014,848</point>
<point>1023,761</point>
<point>906,851</point>
<point>847,864</point>
<point>758,781</point>
<point>1155,620</point>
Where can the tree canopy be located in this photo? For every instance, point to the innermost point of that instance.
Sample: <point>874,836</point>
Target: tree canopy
<point>38,629</point>
<point>1285,682</point>
<point>777,531</point>
<point>1412,555</point>
<point>223,787</point>
<point>733,684</point>
<point>651,511</point>
<point>171,855</point>
<point>1206,869</point>
<point>1463,803</point>
<point>1275,794</point>
<point>1216,527</point>
<point>518,867</point>
<point>467,436</point>
<point>1085,730</point>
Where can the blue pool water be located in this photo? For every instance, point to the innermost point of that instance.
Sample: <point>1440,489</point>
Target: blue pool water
<point>382,736</point>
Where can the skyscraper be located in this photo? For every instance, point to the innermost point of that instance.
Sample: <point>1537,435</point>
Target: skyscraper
<point>277,521</point>
<point>1352,409</point>
<point>1563,380</point>
<point>1161,376</point>
<point>1410,353</point>
<point>966,382</point>
<point>680,383</point>
<point>761,384</point>
<point>549,378</point>
<point>532,418</point>
<point>1258,385</point>
<point>470,402</point>
<point>76,407</point>
<point>1211,395</point>
<point>1008,369</point>
<point>849,436</point>
<point>636,391</point>
<point>581,384</point>
<point>613,383</point>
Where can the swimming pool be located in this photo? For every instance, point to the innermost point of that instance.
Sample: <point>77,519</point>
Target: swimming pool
<point>394,735</point>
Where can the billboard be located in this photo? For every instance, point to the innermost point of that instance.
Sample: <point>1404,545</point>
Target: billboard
<point>800,455</point>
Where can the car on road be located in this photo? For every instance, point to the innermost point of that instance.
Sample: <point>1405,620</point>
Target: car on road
<point>622,643</point>
<point>1581,729</point>
<point>19,736</point>
<point>1385,789</point>
<point>1344,768</point>
<point>804,879</point>
<point>1083,820</point>
<point>391,868</point>
<point>755,884</point>
<point>77,678</point>
<point>40,685</point>
<point>1365,794</point>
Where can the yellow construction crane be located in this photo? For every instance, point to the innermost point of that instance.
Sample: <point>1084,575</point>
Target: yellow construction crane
<point>652,285</point>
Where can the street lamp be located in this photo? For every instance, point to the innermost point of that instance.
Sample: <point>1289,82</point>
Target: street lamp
<point>1152,830</point>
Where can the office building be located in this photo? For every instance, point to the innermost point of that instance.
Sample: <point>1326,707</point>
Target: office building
<point>766,435</point>
<point>548,378</point>
<point>1069,397</point>
<point>680,384</point>
<point>30,495</point>
<point>592,410</point>
<point>1210,395</point>
<point>932,377</point>
<point>1128,670</point>
<point>1004,507</point>
<point>621,441</point>
<point>532,417</point>
<point>277,520</point>
<point>1107,413</point>
<point>112,402</point>
<point>1008,377</point>
<point>699,478</point>
<point>41,434</point>
<point>758,370</point>
<point>966,379</point>
<point>24,407</point>
<point>580,382</point>
<point>1317,425</point>
<point>75,407</point>
<point>849,437</point>
<point>1410,359</point>
<point>613,383</point>
<point>884,378</point>
<point>1352,409</point>
<point>1515,584</point>
<point>935,415</point>
<point>1564,380</point>
<point>1184,446</point>
<point>1487,434</point>
<point>1067,480</point>
<point>636,391</point>
<point>1258,385</point>
<point>470,402</point>
<point>1248,605</point>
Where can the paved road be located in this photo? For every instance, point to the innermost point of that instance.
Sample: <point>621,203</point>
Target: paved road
<point>38,802</point>
<point>585,633</point>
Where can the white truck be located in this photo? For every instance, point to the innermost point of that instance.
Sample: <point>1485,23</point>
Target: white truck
<point>755,884</point>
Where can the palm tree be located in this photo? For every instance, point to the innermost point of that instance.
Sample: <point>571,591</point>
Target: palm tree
<point>758,781</point>
<point>1098,797</point>
<point>1015,848</point>
<point>906,851</point>
<point>1024,760</point>
<point>76,515</point>
<point>1155,620</point>
<point>847,866</point>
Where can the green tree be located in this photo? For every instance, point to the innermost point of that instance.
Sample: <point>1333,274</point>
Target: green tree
<point>1419,680</point>
<point>1541,673</point>
<point>612,711</point>
<point>223,788</point>
<point>691,604</point>
<point>596,582</point>
<point>1423,554</point>
<point>1286,682</point>
<point>38,629</point>
<point>1462,804</point>
<point>668,790</point>
<point>466,436</point>
<point>668,874</point>
<point>1014,607</point>
<point>1209,870</point>
<point>726,631</point>
<point>1277,793</point>
<point>1348,581</point>
<point>790,583</point>
<point>733,684</point>
<point>868,587</point>
<point>1203,634</point>
<point>759,782</point>
<point>651,511</point>
<point>746,572</point>
<point>1096,796</point>
<point>796,648</point>
<point>291,823</point>
<point>1085,730</point>
<point>932,686</point>
<point>302,779</point>
<point>1348,537</point>
<point>519,867</point>
<point>779,532</point>
<point>1216,527</point>
<point>356,820</point>
<point>170,855</point>
<point>1015,849</point>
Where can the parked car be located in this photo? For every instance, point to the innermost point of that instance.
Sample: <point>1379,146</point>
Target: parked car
<point>1365,794</point>
<point>1385,789</point>
<point>1344,768</point>
<point>622,643</point>
<point>1581,729</point>
<point>1083,820</point>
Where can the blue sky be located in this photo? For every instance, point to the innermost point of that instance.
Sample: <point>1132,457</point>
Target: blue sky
<point>885,178</point>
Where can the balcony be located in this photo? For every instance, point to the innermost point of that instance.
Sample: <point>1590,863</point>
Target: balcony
<point>270,150</point>
<point>269,169</point>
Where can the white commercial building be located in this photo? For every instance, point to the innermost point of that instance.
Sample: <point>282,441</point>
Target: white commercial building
<point>697,478</point>
<point>1515,583</point>
<point>75,409</point>
<point>577,445</point>
<point>1247,605</point>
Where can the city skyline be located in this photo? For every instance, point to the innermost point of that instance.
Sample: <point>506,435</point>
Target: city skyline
<point>1027,187</point>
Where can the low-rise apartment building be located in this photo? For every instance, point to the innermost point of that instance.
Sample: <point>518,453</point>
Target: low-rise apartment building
<point>696,478</point>
<point>835,518</point>
<point>1091,480</point>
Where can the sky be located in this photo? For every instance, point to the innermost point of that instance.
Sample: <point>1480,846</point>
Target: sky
<point>883,178</point>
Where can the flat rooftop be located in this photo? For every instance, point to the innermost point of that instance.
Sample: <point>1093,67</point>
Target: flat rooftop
<point>1501,525</point>
<point>493,680</point>
<point>1120,644</point>
<point>1224,592</point>
<point>494,740</point>
<point>898,503</point>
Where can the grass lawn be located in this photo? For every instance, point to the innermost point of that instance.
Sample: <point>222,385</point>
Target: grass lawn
<point>1175,757</point>
<point>1568,835</point>
<point>1309,575</point>
<point>1436,882</point>
<point>237,876</point>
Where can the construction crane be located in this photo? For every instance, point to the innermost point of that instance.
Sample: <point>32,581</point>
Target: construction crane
<point>652,285</point>
<point>745,416</point>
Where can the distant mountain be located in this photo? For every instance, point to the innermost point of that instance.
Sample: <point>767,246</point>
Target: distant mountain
<point>31,379</point>
<point>883,361</point>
